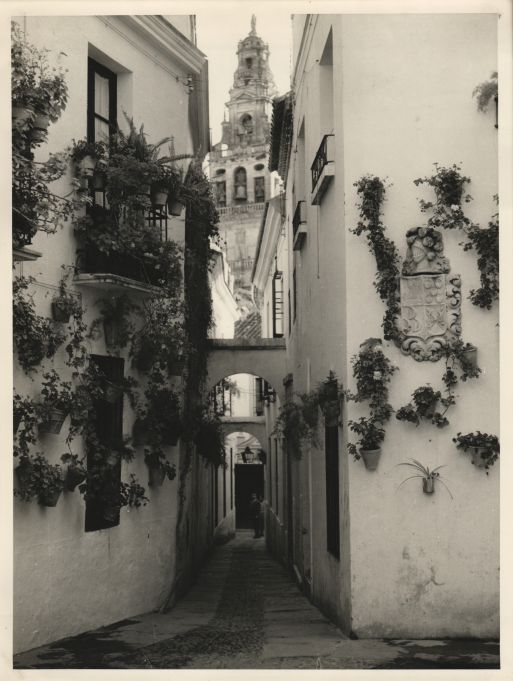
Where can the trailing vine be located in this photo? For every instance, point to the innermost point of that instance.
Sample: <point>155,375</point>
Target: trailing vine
<point>372,371</point>
<point>486,244</point>
<point>371,191</point>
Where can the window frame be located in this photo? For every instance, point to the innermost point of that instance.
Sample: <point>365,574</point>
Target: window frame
<point>94,67</point>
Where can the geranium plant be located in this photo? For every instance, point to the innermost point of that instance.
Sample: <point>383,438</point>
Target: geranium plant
<point>424,406</point>
<point>485,446</point>
<point>448,184</point>
<point>370,435</point>
<point>37,477</point>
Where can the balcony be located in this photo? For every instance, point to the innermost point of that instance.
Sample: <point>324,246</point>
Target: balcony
<point>323,168</point>
<point>116,273</point>
<point>299,230</point>
<point>243,208</point>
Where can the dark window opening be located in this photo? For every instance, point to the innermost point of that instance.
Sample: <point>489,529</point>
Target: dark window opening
<point>240,183</point>
<point>221,193</point>
<point>102,499</point>
<point>259,396</point>
<point>278,305</point>
<point>259,189</point>
<point>332,491</point>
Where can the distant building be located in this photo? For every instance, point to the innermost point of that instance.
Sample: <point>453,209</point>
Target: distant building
<point>238,163</point>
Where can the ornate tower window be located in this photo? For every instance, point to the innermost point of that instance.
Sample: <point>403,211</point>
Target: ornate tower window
<point>259,189</point>
<point>240,182</point>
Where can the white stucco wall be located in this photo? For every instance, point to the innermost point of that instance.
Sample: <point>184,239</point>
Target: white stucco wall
<point>410,565</point>
<point>66,580</point>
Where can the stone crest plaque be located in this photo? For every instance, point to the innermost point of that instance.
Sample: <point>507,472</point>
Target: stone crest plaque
<point>430,298</point>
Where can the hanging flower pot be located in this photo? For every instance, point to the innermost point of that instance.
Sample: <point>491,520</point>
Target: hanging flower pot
<point>477,458</point>
<point>470,356</point>
<point>111,332</point>
<point>175,208</point>
<point>60,311</point>
<point>74,476</point>
<point>158,196</point>
<point>53,421</point>
<point>49,497</point>
<point>156,477</point>
<point>86,165</point>
<point>428,485</point>
<point>99,181</point>
<point>371,458</point>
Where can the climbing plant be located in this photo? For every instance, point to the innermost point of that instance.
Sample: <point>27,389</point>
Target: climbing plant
<point>448,185</point>
<point>486,244</point>
<point>371,192</point>
<point>372,371</point>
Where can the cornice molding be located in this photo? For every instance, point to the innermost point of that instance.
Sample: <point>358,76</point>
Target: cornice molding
<point>168,40</point>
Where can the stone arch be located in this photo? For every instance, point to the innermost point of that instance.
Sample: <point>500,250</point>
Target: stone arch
<point>264,357</point>
<point>251,426</point>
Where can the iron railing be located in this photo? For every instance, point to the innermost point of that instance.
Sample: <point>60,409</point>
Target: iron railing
<point>320,160</point>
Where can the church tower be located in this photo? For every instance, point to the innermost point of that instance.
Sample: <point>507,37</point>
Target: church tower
<point>238,163</point>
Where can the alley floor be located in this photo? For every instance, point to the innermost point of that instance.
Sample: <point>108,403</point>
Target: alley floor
<point>245,612</point>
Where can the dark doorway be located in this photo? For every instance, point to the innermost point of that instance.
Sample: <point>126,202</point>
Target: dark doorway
<point>249,478</point>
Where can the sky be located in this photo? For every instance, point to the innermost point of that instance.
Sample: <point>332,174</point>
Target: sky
<point>218,33</point>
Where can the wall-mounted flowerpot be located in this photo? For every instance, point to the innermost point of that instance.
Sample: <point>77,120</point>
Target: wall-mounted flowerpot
<point>99,181</point>
<point>60,312</point>
<point>470,355</point>
<point>428,485</point>
<point>49,498</point>
<point>21,114</point>
<point>74,476</point>
<point>139,433</point>
<point>54,421</point>
<point>477,458</point>
<point>175,208</point>
<point>86,166</point>
<point>156,477</point>
<point>112,333</point>
<point>371,458</point>
<point>158,197</point>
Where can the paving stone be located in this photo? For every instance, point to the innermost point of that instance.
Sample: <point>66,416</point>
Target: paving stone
<point>244,612</point>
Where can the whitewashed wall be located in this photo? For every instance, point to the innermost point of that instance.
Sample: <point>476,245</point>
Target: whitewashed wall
<point>66,580</point>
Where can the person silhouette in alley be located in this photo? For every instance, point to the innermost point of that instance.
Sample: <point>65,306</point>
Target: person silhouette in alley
<point>255,507</point>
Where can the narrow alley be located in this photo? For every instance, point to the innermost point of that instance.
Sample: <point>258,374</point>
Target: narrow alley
<point>244,612</point>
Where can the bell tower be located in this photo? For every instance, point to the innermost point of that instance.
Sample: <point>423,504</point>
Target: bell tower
<point>238,165</point>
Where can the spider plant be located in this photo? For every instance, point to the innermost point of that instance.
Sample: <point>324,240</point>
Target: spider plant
<point>428,477</point>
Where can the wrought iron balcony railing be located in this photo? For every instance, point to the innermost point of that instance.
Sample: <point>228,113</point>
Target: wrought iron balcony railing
<point>323,167</point>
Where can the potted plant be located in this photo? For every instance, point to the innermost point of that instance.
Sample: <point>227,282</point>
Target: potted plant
<point>87,156</point>
<point>116,327</point>
<point>469,353</point>
<point>329,396</point>
<point>484,448</point>
<point>160,188</point>
<point>56,404</point>
<point>159,467</point>
<point>428,477</point>
<point>76,472</point>
<point>65,304</point>
<point>371,437</point>
<point>37,477</point>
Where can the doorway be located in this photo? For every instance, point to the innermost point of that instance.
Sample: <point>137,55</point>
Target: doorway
<point>249,478</point>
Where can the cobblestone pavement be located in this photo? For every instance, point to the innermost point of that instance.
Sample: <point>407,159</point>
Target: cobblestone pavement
<point>244,612</point>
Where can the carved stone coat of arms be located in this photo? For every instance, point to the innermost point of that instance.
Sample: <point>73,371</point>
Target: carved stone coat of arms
<point>430,298</point>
